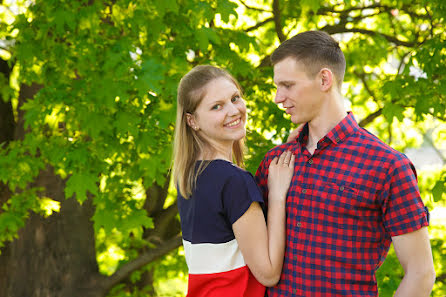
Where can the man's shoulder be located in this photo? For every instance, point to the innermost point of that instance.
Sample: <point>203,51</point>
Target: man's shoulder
<point>378,148</point>
<point>275,152</point>
<point>279,149</point>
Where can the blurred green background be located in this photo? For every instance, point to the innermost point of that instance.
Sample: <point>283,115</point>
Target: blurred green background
<point>87,110</point>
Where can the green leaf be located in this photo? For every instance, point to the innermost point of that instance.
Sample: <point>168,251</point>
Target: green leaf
<point>226,8</point>
<point>203,39</point>
<point>80,184</point>
<point>439,190</point>
<point>311,5</point>
<point>391,110</point>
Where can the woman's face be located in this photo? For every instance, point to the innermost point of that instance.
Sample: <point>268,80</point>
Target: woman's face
<point>221,115</point>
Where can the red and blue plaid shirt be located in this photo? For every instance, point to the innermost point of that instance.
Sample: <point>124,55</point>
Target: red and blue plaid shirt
<point>344,204</point>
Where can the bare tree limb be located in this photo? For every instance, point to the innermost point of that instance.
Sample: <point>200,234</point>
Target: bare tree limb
<point>165,223</point>
<point>323,10</point>
<point>151,255</point>
<point>370,118</point>
<point>340,28</point>
<point>259,24</point>
<point>253,8</point>
<point>277,21</point>
<point>402,63</point>
<point>405,9</point>
<point>361,76</point>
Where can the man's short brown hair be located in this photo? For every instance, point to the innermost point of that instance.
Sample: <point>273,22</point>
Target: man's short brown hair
<point>315,50</point>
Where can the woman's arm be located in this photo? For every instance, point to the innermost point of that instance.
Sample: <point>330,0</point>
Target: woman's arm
<point>263,245</point>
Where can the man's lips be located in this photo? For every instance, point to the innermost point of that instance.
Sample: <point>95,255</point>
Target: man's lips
<point>288,109</point>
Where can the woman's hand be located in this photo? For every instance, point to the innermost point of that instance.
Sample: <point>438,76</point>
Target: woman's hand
<point>295,133</point>
<point>281,171</point>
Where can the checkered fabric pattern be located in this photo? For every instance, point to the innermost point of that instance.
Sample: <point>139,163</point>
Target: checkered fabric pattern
<point>344,204</point>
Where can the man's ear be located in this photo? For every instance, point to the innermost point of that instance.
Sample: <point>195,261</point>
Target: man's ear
<point>190,119</point>
<point>326,79</point>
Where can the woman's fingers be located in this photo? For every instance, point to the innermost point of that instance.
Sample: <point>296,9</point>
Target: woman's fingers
<point>286,158</point>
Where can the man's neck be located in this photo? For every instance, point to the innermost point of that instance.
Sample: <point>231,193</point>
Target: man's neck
<point>329,117</point>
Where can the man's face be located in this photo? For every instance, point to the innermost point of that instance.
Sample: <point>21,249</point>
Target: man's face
<point>298,93</point>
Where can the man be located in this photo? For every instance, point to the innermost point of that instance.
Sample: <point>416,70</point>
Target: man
<point>351,195</point>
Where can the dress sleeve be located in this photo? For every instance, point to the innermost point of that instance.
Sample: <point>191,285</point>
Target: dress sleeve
<point>403,209</point>
<point>239,192</point>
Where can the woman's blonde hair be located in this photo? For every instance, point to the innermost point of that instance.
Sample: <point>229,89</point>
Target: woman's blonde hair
<point>188,143</point>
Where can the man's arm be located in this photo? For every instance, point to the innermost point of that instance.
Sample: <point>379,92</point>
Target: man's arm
<point>415,255</point>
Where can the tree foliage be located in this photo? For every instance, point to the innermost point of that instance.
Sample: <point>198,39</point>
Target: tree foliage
<point>88,98</point>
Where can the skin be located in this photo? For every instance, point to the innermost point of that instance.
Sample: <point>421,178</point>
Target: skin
<point>318,101</point>
<point>315,100</point>
<point>220,118</point>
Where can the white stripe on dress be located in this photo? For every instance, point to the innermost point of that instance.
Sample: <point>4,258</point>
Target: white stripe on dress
<point>205,258</point>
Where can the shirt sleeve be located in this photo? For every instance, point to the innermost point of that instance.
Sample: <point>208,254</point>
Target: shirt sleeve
<point>262,179</point>
<point>403,209</point>
<point>239,192</point>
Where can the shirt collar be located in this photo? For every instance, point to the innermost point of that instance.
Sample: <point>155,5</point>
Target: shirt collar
<point>339,133</point>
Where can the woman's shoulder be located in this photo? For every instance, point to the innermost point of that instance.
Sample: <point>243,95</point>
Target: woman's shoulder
<point>224,171</point>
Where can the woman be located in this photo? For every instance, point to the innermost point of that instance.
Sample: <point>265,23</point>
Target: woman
<point>225,236</point>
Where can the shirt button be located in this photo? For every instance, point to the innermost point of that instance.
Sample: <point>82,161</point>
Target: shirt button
<point>304,191</point>
<point>298,224</point>
<point>341,188</point>
<point>310,161</point>
<point>338,139</point>
<point>295,291</point>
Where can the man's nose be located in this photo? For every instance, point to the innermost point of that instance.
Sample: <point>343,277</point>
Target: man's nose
<point>279,98</point>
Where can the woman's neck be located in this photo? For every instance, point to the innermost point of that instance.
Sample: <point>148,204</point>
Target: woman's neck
<point>215,154</point>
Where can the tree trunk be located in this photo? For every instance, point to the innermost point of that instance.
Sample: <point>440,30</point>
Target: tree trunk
<point>54,256</point>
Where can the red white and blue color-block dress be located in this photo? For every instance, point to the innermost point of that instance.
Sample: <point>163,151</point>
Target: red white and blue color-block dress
<point>216,266</point>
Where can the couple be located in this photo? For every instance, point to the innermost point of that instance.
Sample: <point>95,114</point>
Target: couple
<point>335,197</point>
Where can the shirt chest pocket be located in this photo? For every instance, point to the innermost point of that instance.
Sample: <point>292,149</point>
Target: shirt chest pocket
<point>337,200</point>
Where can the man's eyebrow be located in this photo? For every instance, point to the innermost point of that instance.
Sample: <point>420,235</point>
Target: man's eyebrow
<point>285,82</point>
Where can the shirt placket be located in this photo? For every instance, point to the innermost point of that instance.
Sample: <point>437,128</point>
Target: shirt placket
<point>301,225</point>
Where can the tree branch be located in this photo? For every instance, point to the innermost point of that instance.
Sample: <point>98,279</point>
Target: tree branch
<point>405,9</point>
<point>277,21</point>
<point>253,8</point>
<point>340,28</point>
<point>153,254</point>
<point>164,224</point>
<point>259,24</point>
<point>327,9</point>
<point>402,63</point>
<point>361,76</point>
<point>370,118</point>
<point>156,196</point>
<point>7,123</point>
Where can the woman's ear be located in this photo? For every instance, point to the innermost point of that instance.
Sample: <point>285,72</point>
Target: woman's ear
<point>191,121</point>
<point>326,79</point>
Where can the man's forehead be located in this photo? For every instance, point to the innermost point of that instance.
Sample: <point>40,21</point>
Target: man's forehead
<point>287,70</point>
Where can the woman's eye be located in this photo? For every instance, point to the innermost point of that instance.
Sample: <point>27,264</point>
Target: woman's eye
<point>235,98</point>
<point>216,107</point>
